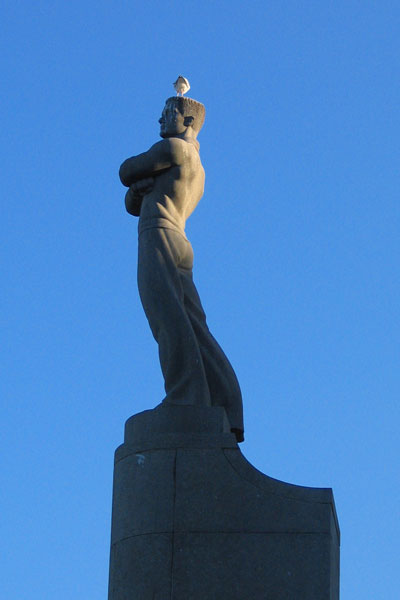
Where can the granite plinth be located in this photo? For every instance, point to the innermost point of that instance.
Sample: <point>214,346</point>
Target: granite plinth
<point>192,519</point>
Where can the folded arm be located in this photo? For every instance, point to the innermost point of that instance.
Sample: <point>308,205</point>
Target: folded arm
<point>163,155</point>
<point>134,196</point>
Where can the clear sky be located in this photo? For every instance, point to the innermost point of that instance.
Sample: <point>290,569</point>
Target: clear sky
<point>296,259</point>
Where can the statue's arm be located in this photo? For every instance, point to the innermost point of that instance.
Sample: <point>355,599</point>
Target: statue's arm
<point>163,155</point>
<point>134,196</point>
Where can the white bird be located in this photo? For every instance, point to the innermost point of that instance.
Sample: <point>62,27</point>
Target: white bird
<point>181,85</point>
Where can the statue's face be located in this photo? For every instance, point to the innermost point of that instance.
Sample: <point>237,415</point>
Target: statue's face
<point>172,121</point>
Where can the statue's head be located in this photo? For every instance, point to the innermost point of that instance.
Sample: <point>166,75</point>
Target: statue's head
<point>181,116</point>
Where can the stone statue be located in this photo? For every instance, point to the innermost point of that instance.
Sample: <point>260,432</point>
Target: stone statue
<point>165,185</point>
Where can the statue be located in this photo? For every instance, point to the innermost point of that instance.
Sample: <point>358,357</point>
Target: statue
<point>165,185</point>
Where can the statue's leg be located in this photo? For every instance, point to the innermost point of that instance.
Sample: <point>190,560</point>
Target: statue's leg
<point>222,381</point>
<point>162,252</point>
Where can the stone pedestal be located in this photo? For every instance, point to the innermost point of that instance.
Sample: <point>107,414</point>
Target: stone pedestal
<point>193,520</point>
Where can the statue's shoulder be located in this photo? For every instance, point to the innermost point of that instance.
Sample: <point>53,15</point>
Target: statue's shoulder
<point>185,148</point>
<point>169,142</point>
<point>176,148</point>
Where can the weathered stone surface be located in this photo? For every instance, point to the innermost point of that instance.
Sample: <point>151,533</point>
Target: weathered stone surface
<point>141,567</point>
<point>267,565</point>
<point>192,519</point>
<point>143,494</point>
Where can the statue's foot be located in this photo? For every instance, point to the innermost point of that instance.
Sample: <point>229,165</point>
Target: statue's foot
<point>239,433</point>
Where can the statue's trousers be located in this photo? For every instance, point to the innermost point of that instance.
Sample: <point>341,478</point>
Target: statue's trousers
<point>195,368</point>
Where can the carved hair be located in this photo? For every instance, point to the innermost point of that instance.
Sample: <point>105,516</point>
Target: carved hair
<point>190,108</point>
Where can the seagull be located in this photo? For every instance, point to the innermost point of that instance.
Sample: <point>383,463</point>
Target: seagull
<point>181,85</point>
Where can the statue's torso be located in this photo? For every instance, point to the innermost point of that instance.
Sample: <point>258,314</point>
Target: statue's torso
<point>175,194</point>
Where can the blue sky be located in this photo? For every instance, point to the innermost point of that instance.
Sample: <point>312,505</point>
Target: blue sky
<point>296,259</point>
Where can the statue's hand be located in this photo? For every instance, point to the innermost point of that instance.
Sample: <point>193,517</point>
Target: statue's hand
<point>143,186</point>
<point>134,196</point>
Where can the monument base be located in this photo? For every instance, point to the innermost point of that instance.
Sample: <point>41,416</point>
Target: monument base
<point>193,520</point>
